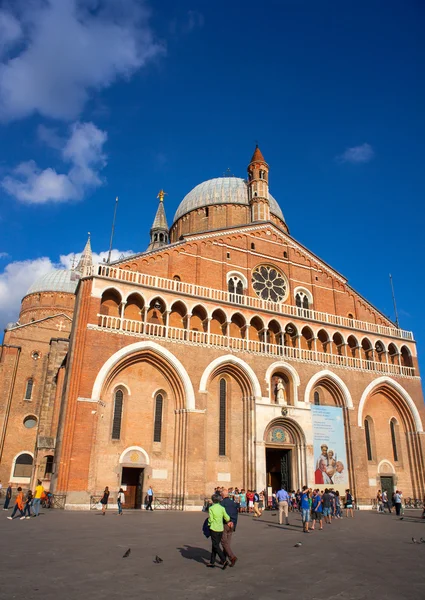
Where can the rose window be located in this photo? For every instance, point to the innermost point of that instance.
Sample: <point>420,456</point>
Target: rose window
<point>269,283</point>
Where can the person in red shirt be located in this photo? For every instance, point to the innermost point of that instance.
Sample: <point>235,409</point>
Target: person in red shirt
<point>250,500</point>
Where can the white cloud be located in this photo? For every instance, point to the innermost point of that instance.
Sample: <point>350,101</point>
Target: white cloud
<point>83,150</point>
<point>18,276</point>
<point>14,283</point>
<point>357,154</point>
<point>56,52</point>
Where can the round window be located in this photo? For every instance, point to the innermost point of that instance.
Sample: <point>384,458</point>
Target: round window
<point>269,283</point>
<point>30,422</point>
<point>35,355</point>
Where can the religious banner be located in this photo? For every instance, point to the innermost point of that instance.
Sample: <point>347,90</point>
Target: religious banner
<point>330,458</point>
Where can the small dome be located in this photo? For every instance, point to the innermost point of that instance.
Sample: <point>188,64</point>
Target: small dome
<point>222,190</point>
<point>59,280</point>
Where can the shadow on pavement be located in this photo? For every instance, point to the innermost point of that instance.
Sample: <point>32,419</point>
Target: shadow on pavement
<point>200,555</point>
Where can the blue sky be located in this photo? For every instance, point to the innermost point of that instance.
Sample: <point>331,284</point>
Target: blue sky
<point>166,95</point>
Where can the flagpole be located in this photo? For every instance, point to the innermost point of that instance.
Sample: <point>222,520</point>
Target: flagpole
<point>394,302</point>
<point>112,231</point>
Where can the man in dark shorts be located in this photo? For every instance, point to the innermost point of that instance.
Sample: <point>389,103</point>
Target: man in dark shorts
<point>316,510</point>
<point>327,506</point>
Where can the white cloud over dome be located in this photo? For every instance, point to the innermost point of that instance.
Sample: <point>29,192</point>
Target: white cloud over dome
<point>18,276</point>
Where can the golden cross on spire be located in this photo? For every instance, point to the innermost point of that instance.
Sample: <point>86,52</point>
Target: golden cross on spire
<point>161,195</point>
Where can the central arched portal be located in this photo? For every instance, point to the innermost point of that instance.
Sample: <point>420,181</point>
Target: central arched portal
<point>285,455</point>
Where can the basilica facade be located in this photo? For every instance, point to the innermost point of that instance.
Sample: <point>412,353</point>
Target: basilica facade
<point>225,354</point>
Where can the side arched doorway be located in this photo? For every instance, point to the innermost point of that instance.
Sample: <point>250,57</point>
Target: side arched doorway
<point>285,455</point>
<point>133,461</point>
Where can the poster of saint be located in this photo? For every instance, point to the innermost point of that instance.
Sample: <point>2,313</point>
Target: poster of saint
<point>330,457</point>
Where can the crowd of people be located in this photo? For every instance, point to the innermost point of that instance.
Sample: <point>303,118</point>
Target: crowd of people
<point>316,507</point>
<point>26,505</point>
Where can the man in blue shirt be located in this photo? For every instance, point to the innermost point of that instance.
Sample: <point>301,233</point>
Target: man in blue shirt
<point>305,507</point>
<point>316,509</point>
<point>232,510</point>
<point>282,498</point>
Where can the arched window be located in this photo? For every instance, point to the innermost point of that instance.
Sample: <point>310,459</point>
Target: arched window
<point>394,438</point>
<point>235,287</point>
<point>368,439</point>
<point>116,424</point>
<point>28,389</point>
<point>23,466</point>
<point>157,431</point>
<point>316,398</point>
<point>302,301</point>
<point>49,466</point>
<point>222,425</point>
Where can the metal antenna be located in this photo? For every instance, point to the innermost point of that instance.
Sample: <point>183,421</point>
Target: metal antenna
<point>394,302</point>
<point>113,230</point>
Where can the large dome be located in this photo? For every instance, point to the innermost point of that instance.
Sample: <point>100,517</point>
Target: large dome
<point>222,190</point>
<point>59,280</point>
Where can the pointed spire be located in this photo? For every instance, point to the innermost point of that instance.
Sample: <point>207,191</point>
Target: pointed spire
<point>160,221</point>
<point>159,231</point>
<point>257,156</point>
<point>86,259</point>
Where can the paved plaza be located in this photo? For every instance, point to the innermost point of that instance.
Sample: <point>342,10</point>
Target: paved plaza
<point>70,555</point>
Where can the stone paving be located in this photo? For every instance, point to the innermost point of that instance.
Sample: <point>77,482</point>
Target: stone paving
<point>68,555</point>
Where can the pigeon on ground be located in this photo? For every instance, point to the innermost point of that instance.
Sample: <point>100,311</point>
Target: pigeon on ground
<point>422,541</point>
<point>158,560</point>
<point>127,553</point>
<point>415,541</point>
<point>274,514</point>
<point>297,545</point>
<point>401,518</point>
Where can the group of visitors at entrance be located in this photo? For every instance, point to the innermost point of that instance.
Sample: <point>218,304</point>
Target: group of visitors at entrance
<point>384,502</point>
<point>249,501</point>
<point>28,505</point>
<point>314,505</point>
<point>121,499</point>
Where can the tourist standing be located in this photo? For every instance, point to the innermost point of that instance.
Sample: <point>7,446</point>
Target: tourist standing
<point>39,491</point>
<point>305,508</point>
<point>231,508</point>
<point>397,502</point>
<point>120,500</point>
<point>243,501</point>
<point>380,502</point>
<point>257,512</point>
<point>104,500</point>
<point>150,498</point>
<point>216,515</point>
<point>316,510</point>
<point>385,501</point>
<point>282,498</point>
<point>326,504</point>
<point>338,509</point>
<point>19,505</point>
<point>349,504</point>
<point>250,500</point>
<point>28,504</point>
<point>8,497</point>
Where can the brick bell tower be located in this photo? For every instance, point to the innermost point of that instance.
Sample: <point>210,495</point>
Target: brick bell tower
<point>258,187</point>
